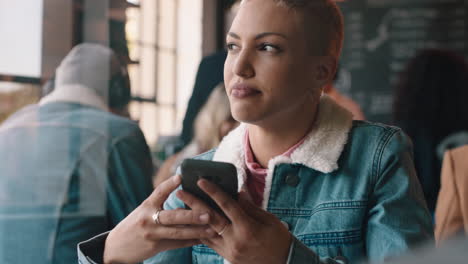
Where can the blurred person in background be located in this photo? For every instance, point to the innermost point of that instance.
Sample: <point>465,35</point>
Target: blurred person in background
<point>430,104</point>
<point>209,75</point>
<point>213,122</point>
<point>452,204</point>
<point>70,168</point>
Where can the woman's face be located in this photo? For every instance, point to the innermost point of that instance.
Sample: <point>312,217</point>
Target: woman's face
<point>269,72</point>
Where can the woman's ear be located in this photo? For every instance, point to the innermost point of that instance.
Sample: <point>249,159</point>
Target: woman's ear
<point>326,68</point>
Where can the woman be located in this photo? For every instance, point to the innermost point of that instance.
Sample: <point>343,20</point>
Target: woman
<point>313,183</point>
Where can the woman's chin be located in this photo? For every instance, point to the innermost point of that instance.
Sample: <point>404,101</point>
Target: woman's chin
<point>244,115</point>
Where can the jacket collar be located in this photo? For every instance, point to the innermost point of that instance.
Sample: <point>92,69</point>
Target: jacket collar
<point>320,151</point>
<point>75,93</point>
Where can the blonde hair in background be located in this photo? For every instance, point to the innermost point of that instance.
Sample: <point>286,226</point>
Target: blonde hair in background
<point>208,121</point>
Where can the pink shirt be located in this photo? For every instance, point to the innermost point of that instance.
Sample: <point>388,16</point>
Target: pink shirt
<point>256,174</point>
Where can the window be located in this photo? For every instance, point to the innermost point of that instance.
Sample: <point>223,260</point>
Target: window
<point>164,40</point>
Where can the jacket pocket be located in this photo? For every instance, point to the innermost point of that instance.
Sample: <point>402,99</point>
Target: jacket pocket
<point>330,229</point>
<point>331,238</point>
<point>345,245</point>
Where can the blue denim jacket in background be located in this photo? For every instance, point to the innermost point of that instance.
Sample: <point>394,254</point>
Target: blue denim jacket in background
<point>349,193</point>
<point>67,172</point>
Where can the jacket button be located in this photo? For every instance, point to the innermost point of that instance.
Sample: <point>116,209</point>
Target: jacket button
<point>292,180</point>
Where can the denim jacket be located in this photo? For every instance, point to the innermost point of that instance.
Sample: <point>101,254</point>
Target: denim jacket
<point>348,193</point>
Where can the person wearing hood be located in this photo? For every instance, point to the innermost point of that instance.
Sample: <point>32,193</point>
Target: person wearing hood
<point>70,166</point>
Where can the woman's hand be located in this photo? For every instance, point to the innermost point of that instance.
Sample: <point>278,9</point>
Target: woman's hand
<point>138,237</point>
<point>250,235</point>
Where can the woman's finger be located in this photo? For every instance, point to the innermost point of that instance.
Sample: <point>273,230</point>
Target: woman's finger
<point>183,217</point>
<point>253,210</point>
<point>229,206</point>
<point>162,192</point>
<point>217,221</point>
<point>175,244</point>
<point>179,233</point>
<point>193,202</point>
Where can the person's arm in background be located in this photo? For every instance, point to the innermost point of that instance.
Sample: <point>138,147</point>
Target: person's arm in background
<point>449,219</point>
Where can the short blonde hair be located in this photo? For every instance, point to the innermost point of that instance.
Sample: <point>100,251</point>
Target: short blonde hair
<point>208,121</point>
<point>327,37</point>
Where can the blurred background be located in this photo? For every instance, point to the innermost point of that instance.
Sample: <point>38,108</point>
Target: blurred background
<point>161,43</point>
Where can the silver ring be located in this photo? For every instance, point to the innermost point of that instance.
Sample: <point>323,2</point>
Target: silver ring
<point>155,216</point>
<point>222,230</point>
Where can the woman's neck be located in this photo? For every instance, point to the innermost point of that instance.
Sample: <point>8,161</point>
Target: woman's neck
<point>269,140</point>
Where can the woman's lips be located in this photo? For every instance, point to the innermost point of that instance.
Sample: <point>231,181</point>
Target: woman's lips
<point>242,91</point>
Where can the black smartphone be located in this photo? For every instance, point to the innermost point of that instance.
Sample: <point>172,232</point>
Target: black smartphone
<point>220,173</point>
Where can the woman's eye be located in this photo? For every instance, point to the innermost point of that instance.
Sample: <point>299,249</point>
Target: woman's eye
<point>269,48</point>
<point>231,46</point>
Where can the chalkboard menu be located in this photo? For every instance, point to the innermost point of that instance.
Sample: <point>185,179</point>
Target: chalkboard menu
<point>381,36</point>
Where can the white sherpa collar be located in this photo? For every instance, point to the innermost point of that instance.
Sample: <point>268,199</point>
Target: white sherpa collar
<point>320,151</point>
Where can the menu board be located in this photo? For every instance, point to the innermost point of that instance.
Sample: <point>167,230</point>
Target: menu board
<point>381,36</point>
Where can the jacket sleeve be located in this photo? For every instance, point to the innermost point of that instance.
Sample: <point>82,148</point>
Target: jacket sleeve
<point>448,211</point>
<point>398,218</point>
<point>92,250</point>
<point>130,170</point>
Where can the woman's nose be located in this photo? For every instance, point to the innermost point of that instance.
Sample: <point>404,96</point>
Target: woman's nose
<point>243,65</point>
